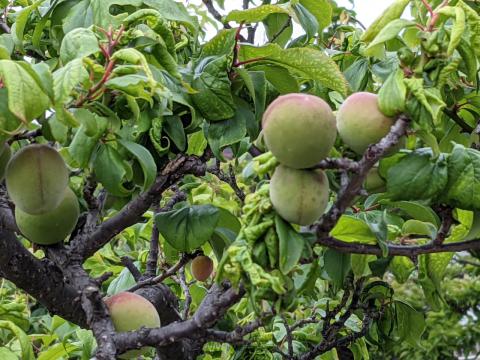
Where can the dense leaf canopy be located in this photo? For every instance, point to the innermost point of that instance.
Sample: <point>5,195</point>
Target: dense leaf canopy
<point>170,137</point>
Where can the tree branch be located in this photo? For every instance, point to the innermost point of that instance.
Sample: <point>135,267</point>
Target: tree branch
<point>83,246</point>
<point>171,271</point>
<point>219,299</point>
<point>229,179</point>
<point>211,9</point>
<point>348,193</point>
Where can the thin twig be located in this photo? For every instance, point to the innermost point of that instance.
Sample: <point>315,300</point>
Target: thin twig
<point>128,263</point>
<point>169,272</point>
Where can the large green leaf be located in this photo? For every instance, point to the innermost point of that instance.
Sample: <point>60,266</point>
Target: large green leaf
<point>308,63</point>
<point>291,245</point>
<point>26,98</point>
<point>145,159</point>
<point>417,176</point>
<point>463,189</point>
<point>109,168</point>
<point>213,97</point>
<point>337,265</point>
<point>188,228</point>
<point>78,43</point>
<point>66,79</point>
<point>25,344</point>
<point>352,229</point>
<point>410,323</point>
<point>321,9</point>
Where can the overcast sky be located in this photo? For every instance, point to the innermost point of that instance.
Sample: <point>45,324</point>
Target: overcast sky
<point>367,10</point>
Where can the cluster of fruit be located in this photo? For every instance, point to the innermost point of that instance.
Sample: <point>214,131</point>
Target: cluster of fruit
<point>300,130</point>
<point>46,209</point>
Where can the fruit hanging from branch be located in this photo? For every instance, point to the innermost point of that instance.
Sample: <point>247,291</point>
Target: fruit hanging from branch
<point>130,311</point>
<point>360,121</point>
<point>36,179</point>
<point>50,227</point>
<point>299,129</point>
<point>201,267</point>
<point>299,196</point>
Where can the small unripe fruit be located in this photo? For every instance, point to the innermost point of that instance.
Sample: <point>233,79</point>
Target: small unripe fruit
<point>299,129</point>
<point>360,121</point>
<point>129,312</point>
<point>4,159</point>
<point>36,179</point>
<point>51,227</point>
<point>201,267</point>
<point>299,196</point>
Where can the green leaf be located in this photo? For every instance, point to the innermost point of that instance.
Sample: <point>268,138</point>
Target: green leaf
<point>173,127</point>
<point>66,79</point>
<point>409,322</point>
<point>255,14</point>
<point>21,20</point>
<point>6,354</point>
<point>221,44</point>
<point>417,211</point>
<point>173,11</point>
<point>321,9</point>
<point>122,282</point>
<point>463,189</point>
<point>100,9</point>
<point>213,97</point>
<point>352,229</point>
<point>337,266</point>
<point>291,245</point>
<point>392,95</point>
<point>391,13</point>
<point>359,264</point>
<point>26,98</point>
<point>357,74</point>
<point>307,20</point>
<point>401,267</point>
<point>227,132</point>
<point>308,63</point>
<point>188,228</point>
<point>390,31</point>
<point>275,28</point>
<point>25,344</point>
<point>58,351</point>
<point>256,84</point>
<point>378,226</point>
<point>77,44</point>
<point>110,170</point>
<point>417,176</point>
<point>145,159</point>
<point>416,227</point>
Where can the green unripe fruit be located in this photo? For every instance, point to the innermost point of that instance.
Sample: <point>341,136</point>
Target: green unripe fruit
<point>51,227</point>
<point>129,312</point>
<point>360,121</point>
<point>4,159</point>
<point>201,267</point>
<point>374,183</point>
<point>299,196</point>
<point>36,179</point>
<point>299,129</point>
